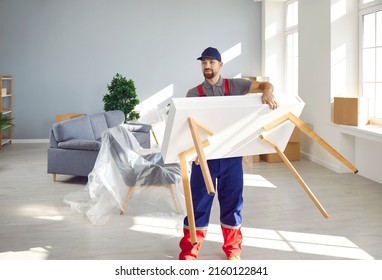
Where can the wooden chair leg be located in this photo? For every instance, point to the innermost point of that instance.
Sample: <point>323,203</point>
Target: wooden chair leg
<point>129,193</point>
<point>155,137</point>
<point>174,197</point>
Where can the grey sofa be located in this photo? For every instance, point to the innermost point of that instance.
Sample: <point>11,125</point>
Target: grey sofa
<point>74,144</point>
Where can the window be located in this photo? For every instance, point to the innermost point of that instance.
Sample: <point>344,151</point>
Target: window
<point>291,34</point>
<point>371,56</point>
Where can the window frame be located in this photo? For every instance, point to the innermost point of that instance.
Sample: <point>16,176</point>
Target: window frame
<point>289,31</point>
<point>365,9</point>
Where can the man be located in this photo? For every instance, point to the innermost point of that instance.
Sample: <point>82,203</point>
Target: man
<point>227,172</point>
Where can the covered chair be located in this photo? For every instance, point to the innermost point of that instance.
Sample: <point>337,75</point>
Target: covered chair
<point>123,171</point>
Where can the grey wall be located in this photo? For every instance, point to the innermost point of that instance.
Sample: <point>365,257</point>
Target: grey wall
<point>63,53</point>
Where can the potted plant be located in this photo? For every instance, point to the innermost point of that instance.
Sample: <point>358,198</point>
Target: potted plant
<point>122,96</point>
<point>5,121</point>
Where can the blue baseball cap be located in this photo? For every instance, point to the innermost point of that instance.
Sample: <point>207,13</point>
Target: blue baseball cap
<point>210,53</point>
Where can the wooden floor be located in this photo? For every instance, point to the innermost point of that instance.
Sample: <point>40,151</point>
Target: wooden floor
<point>279,220</point>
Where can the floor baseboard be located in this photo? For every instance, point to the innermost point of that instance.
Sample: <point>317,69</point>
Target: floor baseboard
<point>28,141</point>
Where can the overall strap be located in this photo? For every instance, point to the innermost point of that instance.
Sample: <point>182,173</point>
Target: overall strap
<point>200,90</point>
<point>226,88</point>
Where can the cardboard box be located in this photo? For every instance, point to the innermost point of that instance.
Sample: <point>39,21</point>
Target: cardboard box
<point>292,152</point>
<point>256,78</point>
<point>249,159</point>
<point>256,158</point>
<point>350,110</point>
<point>296,135</point>
<point>64,117</point>
<point>3,92</point>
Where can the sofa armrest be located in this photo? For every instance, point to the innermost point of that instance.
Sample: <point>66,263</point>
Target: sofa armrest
<point>52,140</point>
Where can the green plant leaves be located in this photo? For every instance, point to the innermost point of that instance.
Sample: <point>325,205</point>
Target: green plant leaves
<point>5,121</point>
<point>122,96</point>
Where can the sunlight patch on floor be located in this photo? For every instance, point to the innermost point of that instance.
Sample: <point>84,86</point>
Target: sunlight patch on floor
<point>308,243</point>
<point>157,225</point>
<point>51,218</point>
<point>40,212</point>
<point>38,253</point>
<point>254,180</point>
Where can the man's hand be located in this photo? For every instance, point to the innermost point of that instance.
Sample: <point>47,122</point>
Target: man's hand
<point>196,161</point>
<point>269,99</point>
<point>267,90</point>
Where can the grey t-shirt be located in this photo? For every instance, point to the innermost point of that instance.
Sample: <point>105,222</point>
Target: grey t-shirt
<point>236,87</point>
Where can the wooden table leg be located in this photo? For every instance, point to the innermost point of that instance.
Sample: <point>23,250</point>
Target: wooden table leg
<point>311,134</point>
<point>194,126</point>
<point>187,190</point>
<point>298,177</point>
<point>188,197</point>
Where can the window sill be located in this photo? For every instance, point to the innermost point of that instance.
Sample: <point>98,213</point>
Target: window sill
<point>370,132</point>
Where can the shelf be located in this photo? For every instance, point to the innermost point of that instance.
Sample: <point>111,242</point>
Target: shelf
<point>6,77</point>
<point>5,141</point>
<point>370,132</point>
<point>6,127</point>
<point>6,108</point>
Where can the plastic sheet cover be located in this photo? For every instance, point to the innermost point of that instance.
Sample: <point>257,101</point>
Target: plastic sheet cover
<point>123,168</point>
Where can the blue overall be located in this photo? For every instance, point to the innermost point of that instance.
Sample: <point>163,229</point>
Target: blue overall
<point>227,177</point>
<point>227,174</point>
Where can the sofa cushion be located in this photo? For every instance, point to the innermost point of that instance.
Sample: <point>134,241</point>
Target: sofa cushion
<point>114,118</point>
<point>77,128</point>
<point>99,125</point>
<point>80,144</point>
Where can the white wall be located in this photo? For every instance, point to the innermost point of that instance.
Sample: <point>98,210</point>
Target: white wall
<point>62,54</point>
<point>328,67</point>
<point>344,48</point>
<point>314,74</point>
<point>368,158</point>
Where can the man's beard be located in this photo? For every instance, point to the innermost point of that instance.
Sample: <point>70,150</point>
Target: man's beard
<point>209,75</point>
